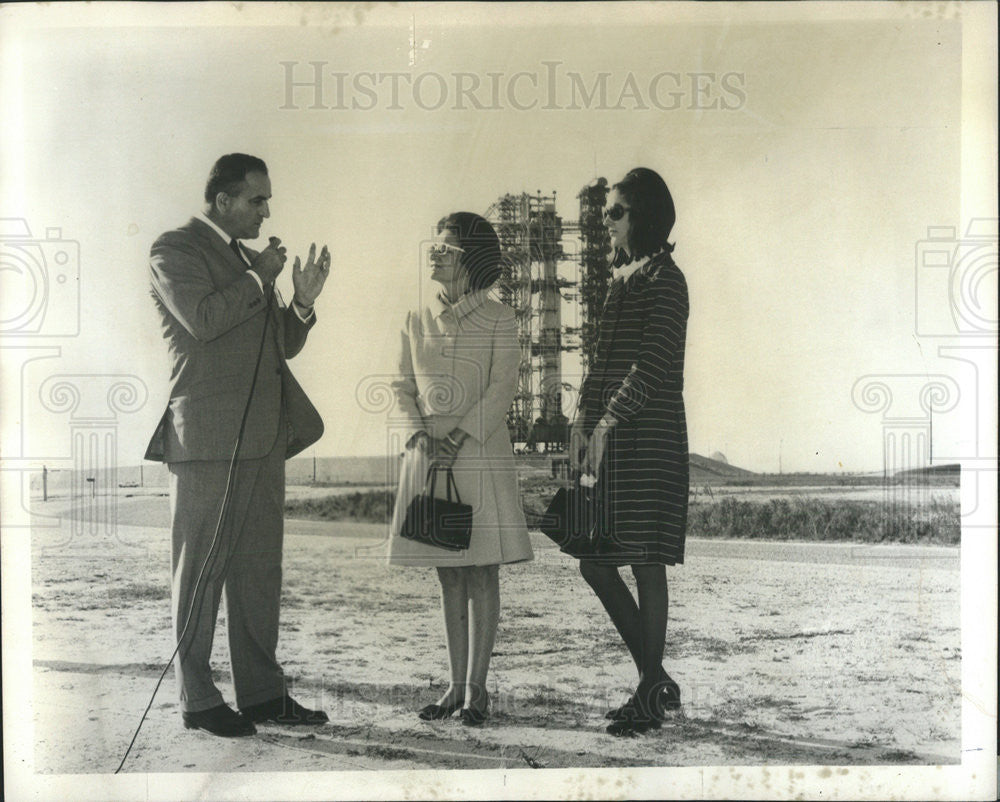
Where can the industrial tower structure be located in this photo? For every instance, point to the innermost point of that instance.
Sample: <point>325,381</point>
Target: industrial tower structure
<point>531,243</point>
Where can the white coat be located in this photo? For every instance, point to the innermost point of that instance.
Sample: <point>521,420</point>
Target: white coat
<point>458,367</point>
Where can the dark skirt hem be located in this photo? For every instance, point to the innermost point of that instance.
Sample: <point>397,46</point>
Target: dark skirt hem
<point>657,554</point>
<point>621,562</point>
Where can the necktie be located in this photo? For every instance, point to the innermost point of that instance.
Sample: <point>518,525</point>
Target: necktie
<point>236,249</point>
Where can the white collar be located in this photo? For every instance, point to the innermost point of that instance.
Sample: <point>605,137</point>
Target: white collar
<point>460,308</point>
<point>627,270</point>
<point>206,219</point>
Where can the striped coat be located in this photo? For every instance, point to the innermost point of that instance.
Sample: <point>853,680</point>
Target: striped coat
<point>638,378</point>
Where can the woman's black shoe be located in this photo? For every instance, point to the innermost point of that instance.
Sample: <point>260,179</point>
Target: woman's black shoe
<point>670,696</point>
<point>670,700</point>
<point>634,720</point>
<point>472,718</point>
<point>436,711</point>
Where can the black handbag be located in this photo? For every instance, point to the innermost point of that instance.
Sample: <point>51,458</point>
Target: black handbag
<point>576,519</point>
<point>444,523</point>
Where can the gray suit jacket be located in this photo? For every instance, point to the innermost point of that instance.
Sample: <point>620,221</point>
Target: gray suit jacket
<point>212,314</point>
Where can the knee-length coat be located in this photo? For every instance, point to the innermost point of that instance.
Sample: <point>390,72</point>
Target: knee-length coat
<point>638,379</point>
<point>458,366</point>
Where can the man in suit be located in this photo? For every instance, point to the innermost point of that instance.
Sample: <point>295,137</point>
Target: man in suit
<point>228,335</point>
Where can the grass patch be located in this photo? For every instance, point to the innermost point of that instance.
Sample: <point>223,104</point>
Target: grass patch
<point>139,591</point>
<point>805,519</point>
<point>899,756</point>
<point>372,506</point>
<point>387,753</point>
<point>824,520</point>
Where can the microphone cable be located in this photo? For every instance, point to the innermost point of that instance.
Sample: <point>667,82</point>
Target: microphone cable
<point>209,558</point>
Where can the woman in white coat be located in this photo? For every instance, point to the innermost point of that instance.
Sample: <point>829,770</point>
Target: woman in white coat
<point>458,370</point>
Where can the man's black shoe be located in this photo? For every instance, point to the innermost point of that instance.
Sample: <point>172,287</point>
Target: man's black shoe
<point>284,710</point>
<point>221,720</point>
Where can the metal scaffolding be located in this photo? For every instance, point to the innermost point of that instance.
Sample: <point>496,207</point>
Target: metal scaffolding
<point>531,241</point>
<point>595,265</point>
<point>531,235</point>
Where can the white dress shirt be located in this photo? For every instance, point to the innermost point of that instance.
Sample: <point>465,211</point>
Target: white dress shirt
<point>302,312</point>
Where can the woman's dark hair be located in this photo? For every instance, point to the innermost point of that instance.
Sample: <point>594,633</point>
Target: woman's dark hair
<point>477,238</point>
<point>651,213</point>
<point>229,172</point>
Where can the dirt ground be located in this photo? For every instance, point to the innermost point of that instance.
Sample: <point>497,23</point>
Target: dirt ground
<point>786,653</point>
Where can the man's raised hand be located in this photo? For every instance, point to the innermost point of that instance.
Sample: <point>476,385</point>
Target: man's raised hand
<point>309,279</point>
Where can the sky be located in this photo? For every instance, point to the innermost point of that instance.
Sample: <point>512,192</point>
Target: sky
<point>808,154</point>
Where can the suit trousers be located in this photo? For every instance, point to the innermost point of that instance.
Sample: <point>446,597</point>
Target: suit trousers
<point>246,565</point>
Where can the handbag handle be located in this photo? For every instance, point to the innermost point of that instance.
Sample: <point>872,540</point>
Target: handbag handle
<point>432,479</point>
<point>573,481</point>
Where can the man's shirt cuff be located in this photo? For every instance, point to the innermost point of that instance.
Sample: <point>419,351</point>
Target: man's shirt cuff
<point>304,316</point>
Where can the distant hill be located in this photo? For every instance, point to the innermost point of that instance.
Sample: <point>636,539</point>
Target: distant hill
<point>932,474</point>
<point>705,468</point>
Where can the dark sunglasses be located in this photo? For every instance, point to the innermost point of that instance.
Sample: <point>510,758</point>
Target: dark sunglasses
<point>443,248</point>
<point>616,212</point>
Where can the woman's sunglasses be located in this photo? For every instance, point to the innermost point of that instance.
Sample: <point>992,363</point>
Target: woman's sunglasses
<point>616,212</point>
<point>442,248</point>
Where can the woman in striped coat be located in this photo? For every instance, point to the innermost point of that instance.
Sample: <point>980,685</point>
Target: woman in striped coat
<point>630,431</point>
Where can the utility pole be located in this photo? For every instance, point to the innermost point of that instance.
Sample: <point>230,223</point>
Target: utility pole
<point>930,431</point>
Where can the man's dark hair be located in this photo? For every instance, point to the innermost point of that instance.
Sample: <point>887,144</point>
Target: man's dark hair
<point>229,172</point>
<point>477,238</point>
<point>652,214</point>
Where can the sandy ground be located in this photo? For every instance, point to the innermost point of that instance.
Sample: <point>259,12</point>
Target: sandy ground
<point>786,653</point>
